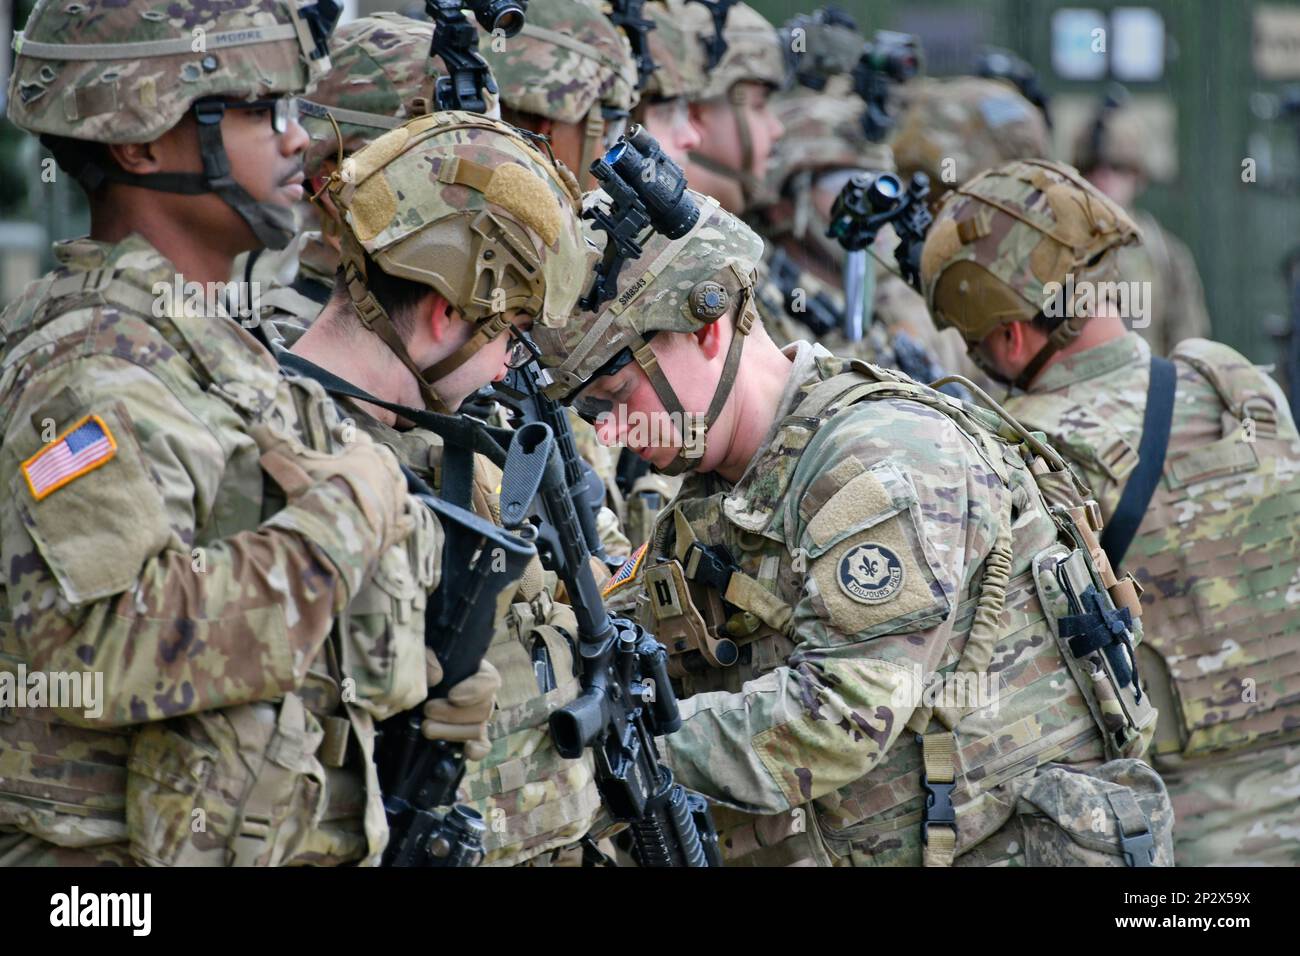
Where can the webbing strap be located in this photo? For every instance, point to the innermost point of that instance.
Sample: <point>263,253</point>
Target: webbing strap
<point>151,48</point>
<point>1123,524</point>
<point>455,430</point>
<point>938,818</point>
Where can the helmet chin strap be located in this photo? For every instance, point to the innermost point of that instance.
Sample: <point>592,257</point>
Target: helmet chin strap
<point>273,225</point>
<point>751,188</point>
<point>692,451</point>
<point>1062,336</point>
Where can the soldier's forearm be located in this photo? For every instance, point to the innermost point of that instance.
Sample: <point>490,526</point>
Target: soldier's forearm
<point>793,735</point>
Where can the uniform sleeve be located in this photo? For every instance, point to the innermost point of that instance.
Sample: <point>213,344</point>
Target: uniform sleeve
<point>892,512</point>
<point>103,574</point>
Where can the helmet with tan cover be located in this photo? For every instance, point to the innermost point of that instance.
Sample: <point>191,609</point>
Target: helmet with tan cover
<point>1001,240</point>
<point>128,71</point>
<point>677,285</point>
<point>468,206</point>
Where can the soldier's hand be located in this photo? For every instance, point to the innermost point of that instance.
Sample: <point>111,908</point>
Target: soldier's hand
<point>464,713</point>
<point>368,470</point>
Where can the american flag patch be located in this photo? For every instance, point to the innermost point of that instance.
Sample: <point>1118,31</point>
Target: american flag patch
<point>626,573</point>
<point>82,448</point>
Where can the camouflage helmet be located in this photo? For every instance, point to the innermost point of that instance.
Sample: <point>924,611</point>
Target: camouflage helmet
<point>1002,247</point>
<point>677,54</point>
<point>569,64</point>
<point>380,79</point>
<point>822,132</point>
<point>954,128</point>
<point>128,71</point>
<point>677,285</point>
<point>753,50</point>
<point>468,206</point>
<point>1115,137</point>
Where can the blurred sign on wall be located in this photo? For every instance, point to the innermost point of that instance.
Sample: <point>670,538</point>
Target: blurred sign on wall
<point>1275,45</point>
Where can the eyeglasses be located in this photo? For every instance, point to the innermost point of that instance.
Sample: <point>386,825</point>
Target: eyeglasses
<point>590,408</point>
<point>283,109</point>
<point>522,350</point>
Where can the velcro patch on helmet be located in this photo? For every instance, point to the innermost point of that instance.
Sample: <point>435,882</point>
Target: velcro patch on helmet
<point>376,156</point>
<point>525,196</point>
<point>372,208</point>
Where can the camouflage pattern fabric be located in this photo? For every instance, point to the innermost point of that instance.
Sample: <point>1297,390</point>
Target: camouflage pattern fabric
<point>209,615</point>
<point>754,52</point>
<point>1218,556</point>
<point>1166,267</point>
<point>380,79</point>
<point>129,94</point>
<point>568,58</point>
<point>952,129</point>
<point>678,55</point>
<point>860,534</point>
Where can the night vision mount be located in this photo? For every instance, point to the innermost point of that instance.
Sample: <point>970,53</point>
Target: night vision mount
<point>629,16</point>
<point>646,190</point>
<point>715,47</point>
<point>869,202</point>
<point>455,42</point>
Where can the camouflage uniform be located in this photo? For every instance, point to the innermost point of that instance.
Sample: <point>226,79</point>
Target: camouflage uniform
<point>231,697</point>
<point>882,531</point>
<point>445,174</point>
<point>1163,260</point>
<point>569,64</point>
<point>1216,552</point>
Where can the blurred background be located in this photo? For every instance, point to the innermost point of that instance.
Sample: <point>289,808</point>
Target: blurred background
<point>1216,83</point>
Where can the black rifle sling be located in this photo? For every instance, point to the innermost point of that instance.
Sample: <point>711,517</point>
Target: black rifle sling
<point>462,436</point>
<point>1142,481</point>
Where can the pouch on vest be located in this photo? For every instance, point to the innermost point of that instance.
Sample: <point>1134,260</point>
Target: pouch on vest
<point>1117,814</point>
<point>1097,642</point>
<point>381,632</point>
<point>235,787</point>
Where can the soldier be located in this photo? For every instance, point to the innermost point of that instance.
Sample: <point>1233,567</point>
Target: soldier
<point>1196,461</point>
<point>480,231</point>
<point>823,147</point>
<point>664,108</point>
<point>843,533</point>
<point>568,75</point>
<point>950,130</point>
<point>237,721</point>
<point>380,79</point>
<point>1110,152</point>
<point>744,64</point>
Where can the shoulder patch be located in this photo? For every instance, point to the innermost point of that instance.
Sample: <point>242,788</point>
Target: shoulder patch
<point>626,573</point>
<point>78,450</point>
<point>870,573</point>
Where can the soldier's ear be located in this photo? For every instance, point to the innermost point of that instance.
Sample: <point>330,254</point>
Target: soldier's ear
<point>709,339</point>
<point>138,158</point>
<point>437,316</point>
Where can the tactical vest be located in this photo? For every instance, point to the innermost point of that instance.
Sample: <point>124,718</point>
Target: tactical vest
<point>264,783</point>
<point>532,799</point>
<point>1217,555</point>
<point>727,625</point>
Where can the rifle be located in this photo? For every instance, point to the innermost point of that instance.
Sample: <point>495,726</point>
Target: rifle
<point>521,391</point>
<point>482,563</point>
<point>627,699</point>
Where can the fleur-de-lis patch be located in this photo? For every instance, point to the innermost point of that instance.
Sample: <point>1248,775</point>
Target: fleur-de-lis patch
<point>870,573</point>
